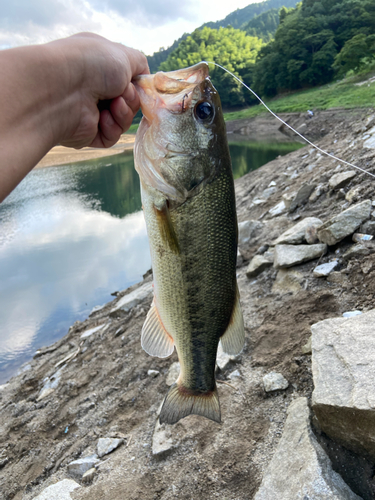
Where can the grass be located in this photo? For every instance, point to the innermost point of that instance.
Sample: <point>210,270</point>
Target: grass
<point>343,94</point>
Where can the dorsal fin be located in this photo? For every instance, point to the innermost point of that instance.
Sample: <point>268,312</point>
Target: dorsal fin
<point>155,339</point>
<point>233,339</point>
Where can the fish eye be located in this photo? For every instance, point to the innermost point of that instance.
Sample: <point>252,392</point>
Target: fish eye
<point>204,111</point>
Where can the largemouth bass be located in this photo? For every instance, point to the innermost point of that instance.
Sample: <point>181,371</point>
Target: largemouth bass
<point>182,158</point>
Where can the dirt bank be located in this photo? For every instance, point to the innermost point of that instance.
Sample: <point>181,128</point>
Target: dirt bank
<point>100,385</point>
<point>60,155</point>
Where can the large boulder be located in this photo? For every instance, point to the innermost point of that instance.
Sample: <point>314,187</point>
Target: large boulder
<point>345,223</point>
<point>59,491</point>
<point>343,367</point>
<point>300,469</point>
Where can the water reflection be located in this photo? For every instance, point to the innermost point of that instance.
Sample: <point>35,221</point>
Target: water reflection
<point>71,235</point>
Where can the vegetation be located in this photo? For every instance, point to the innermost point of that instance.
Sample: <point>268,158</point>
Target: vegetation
<point>236,19</point>
<point>229,47</point>
<point>314,42</point>
<point>345,94</point>
<point>263,26</point>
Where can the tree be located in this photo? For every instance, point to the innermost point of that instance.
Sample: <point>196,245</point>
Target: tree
<point>355,53</point>
<point>230,48</point>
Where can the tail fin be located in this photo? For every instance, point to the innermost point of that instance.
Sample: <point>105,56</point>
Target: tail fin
<point>180,402</point>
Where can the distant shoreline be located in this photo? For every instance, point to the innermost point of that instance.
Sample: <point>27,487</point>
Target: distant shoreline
<point>60,155</point>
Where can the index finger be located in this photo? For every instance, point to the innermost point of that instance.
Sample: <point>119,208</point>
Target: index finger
<point>138,62</point>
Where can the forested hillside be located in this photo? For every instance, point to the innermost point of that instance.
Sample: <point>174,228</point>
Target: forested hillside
<point>263,26</point>
<point>236,19</point>
<point>314,43</point>
<point>232,48</point>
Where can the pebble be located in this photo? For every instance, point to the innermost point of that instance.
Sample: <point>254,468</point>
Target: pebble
<point>274,381</point>
<point>351,314</point>
<point>153,373</point>
<point>106,445</point>
<point>50,384</point>
<point>89,475</point>
<point>161,440</point>
<point>357,250</point>
<point>291,255</point>
<point>91,331</point>
<point>341,179</point>
<point>222,358</point>
<point>234,375</point>
<point>278,209</point>
<point>307,348</point>
<point>302,196</point>
<point>82,465</point>
<point>325,269</point>
<point>173,373</point>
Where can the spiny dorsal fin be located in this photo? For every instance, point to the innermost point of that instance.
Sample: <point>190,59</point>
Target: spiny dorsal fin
<point>155,339</point>
<point>179,403</point>
<point>233,339</point>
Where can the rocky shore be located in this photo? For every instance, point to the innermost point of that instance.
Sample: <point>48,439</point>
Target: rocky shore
<point>298,404</point>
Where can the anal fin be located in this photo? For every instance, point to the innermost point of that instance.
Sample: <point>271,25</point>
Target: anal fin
<point>180,402</point>
<point>155,339</point>
<point>233,339</point>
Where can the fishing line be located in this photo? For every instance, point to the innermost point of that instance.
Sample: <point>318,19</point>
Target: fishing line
<point>289,126</point>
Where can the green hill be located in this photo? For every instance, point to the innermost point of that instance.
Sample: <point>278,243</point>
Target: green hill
<point>263,26</point>
<point>236,19</point>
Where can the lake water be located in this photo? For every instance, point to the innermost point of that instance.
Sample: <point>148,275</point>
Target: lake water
<point>71,235</point>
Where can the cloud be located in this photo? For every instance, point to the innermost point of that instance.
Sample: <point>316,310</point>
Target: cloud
<point>149,12</point>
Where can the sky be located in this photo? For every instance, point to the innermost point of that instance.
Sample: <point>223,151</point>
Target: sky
<point>146,25</point>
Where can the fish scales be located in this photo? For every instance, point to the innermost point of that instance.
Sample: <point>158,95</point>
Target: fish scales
<point>193,242</point>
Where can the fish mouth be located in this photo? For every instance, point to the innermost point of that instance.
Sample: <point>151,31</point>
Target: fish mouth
<point>170,90</point>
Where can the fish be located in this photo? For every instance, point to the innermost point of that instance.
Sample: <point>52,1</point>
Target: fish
<point>182,157</point>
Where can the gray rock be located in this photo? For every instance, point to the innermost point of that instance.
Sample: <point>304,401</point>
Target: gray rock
<point>223,359</point>
<point>302,196</point>
<point>361,238</point>
<point>287,280</point>
<point>152,373</point>
<point>318,191</point>
<point>79,467</point>
<point>368,227</point>
<point>291,255</point>
<point>234,375</point>
<point>268,192</point>
<point>296,234</point>
<point>357,250</point>
<point>173,373</point>
<point>351,314</point>
<point>133,298</point>
<point>353,194</point>
<point>343,367</point>
<point>91,331</point>
<point>239,261</point>
<point>300,469</point>
<point>89,475</point>
<point>59,491</point>
<point>345,223</point>
<point>324,270</point>
<point>306,348</point>
<point>161,440</point>
<point>50,384</point>
<point>246,230</point>
<point>370,143</point>
<point>341,179</point>
<point>106,445</point>
<point>288,198</point>
<point>274,381</point>
<point>278,209</point>
<point>258,264</point>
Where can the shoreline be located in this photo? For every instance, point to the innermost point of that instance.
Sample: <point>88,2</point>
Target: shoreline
<point>260,128</point>
<point>61,155</point>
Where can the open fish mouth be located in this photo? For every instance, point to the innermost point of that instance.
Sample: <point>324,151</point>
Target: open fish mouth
<point>172,89</point>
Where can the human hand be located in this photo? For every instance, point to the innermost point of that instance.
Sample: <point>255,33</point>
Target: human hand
<point>100,100</point>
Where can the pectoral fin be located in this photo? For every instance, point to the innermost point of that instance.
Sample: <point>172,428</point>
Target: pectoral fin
<point>233,339</point>
<point>155,339</point>
<point>166,228</point>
